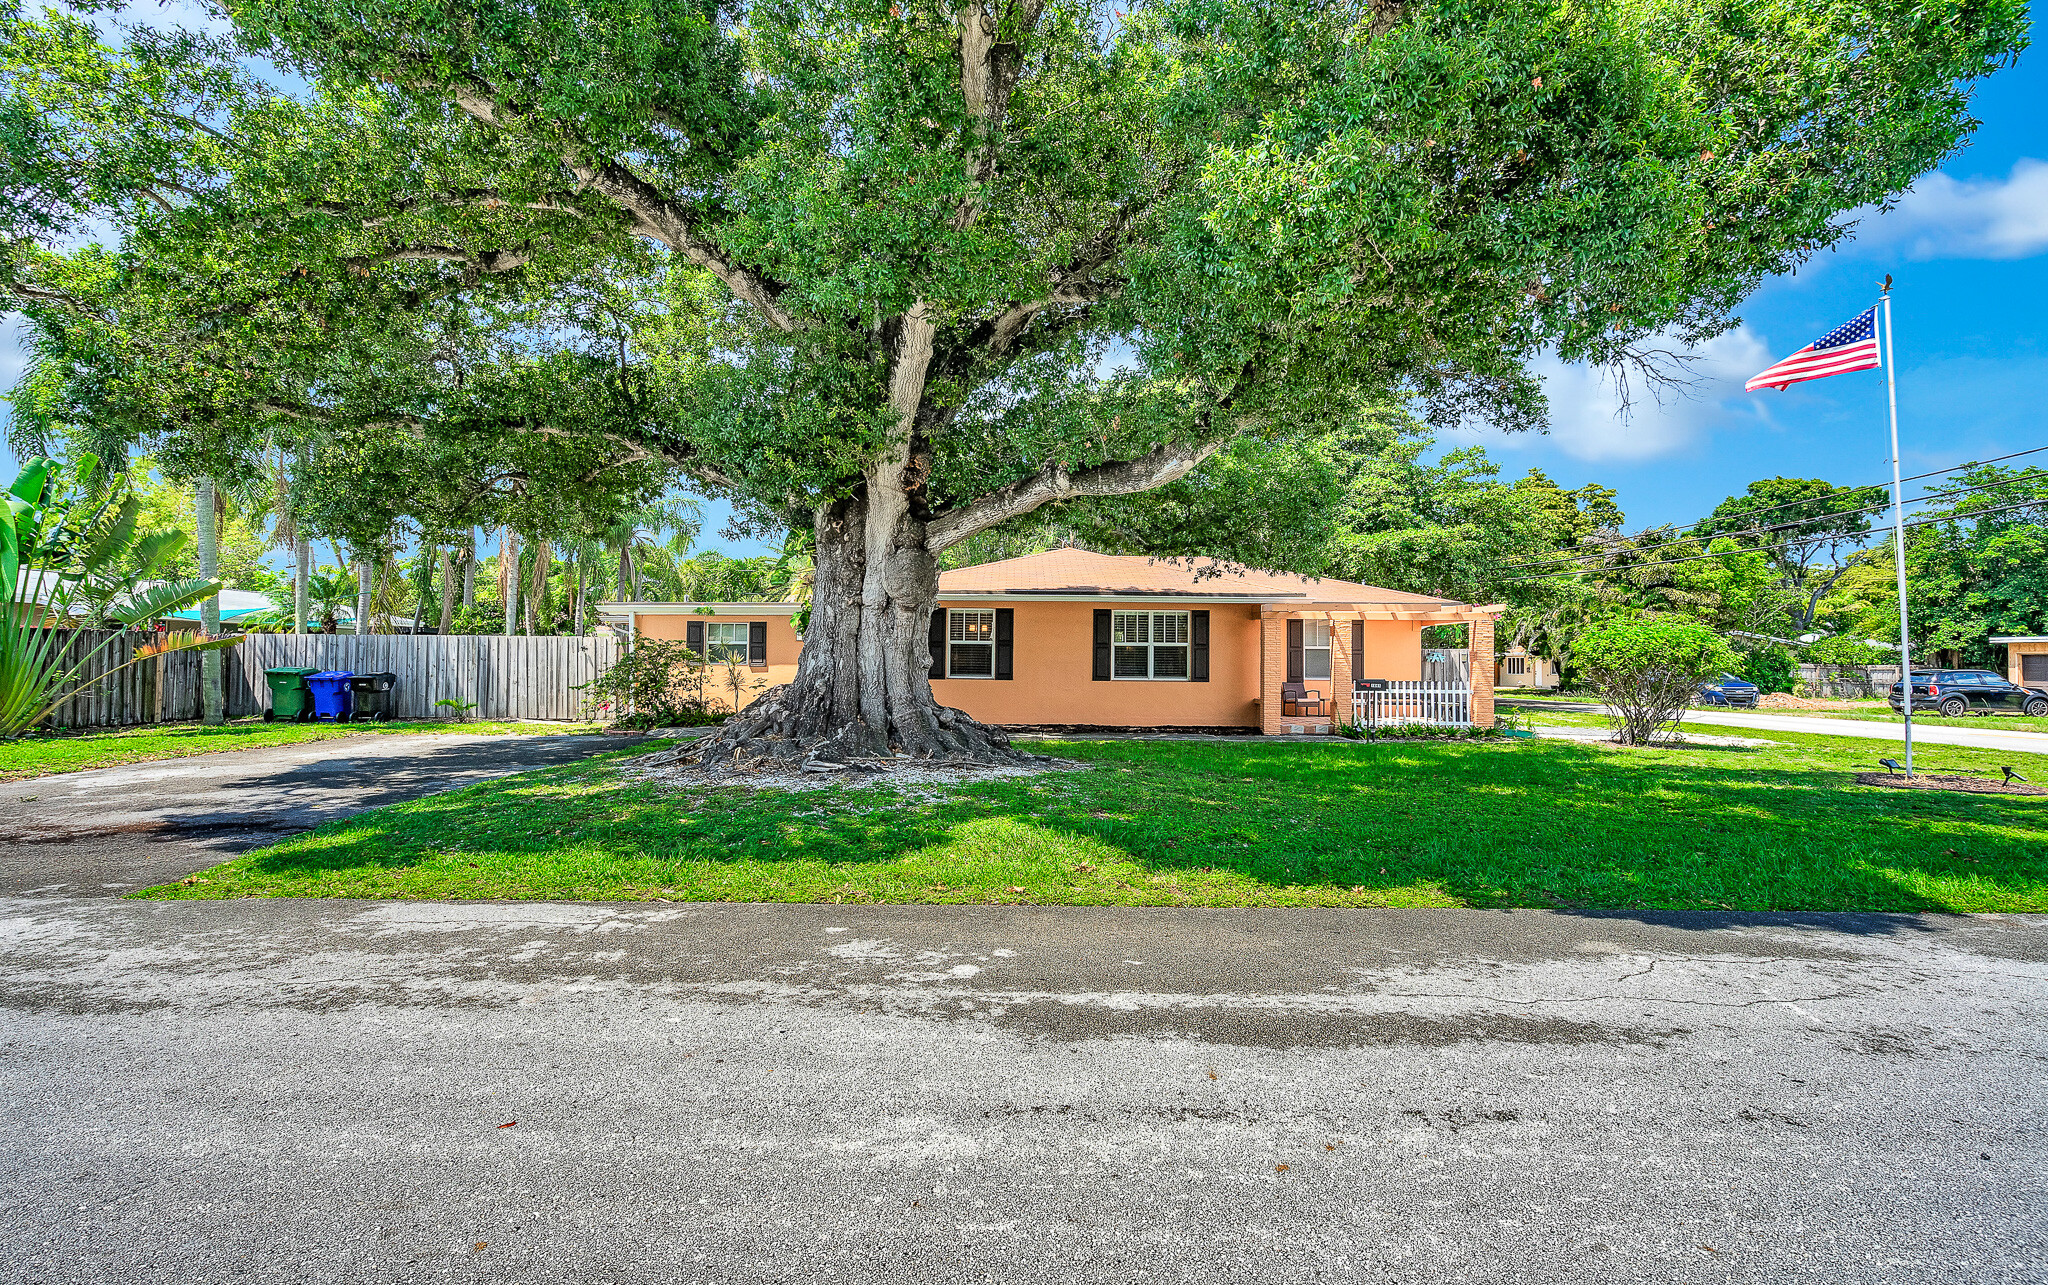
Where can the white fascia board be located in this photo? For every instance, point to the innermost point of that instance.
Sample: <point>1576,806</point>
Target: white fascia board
<point>699,608</point>
<point>1142,600</point>
<point>2017,638</point>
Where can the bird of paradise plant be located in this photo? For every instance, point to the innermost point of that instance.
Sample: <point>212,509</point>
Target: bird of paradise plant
<point>56,539</point>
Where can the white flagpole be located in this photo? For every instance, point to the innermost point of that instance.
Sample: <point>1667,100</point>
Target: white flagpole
<point>1891,386</point>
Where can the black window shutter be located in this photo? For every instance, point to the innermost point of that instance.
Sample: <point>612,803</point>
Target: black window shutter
<point>1006,628</point>
<point>1294,669</point>
<point>1198,661</point>
<point>757,642</point>
<point>1101,645</point>
<point>693,636</point>
<point>1357,650</point>
<point>938,640</point>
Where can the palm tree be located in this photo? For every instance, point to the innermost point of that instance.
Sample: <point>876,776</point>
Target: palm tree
<point>635,536</point>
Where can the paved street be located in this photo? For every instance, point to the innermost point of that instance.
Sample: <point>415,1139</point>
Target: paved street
<point>344,1091</point>
<point>1992,734</point>
<point>116,829</point>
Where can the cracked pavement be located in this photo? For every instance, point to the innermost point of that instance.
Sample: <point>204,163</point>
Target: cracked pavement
<point>352,1091</point>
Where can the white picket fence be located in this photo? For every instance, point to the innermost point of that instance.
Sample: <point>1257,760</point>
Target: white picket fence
<point>1446,704</point>
<point>507,678</point>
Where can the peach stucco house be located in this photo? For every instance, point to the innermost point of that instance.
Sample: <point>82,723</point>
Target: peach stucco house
<point>1077,639</point>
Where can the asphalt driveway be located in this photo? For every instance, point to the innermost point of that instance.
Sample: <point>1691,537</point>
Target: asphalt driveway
<point>361,1092</point>
<point>115,829</point>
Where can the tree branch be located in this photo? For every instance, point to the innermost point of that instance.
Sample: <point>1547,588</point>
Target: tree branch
<point>654,215</point>
<point>989,71</point>
<point>1073,282</point>
<point>1153,469</point>
<point>670,223</point>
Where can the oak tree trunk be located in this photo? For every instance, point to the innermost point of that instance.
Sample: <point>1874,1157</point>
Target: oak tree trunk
<point>863,687</point>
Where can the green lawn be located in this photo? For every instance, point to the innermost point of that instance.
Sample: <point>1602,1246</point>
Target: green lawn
<point>1877,713</point>
<point>1519,823</point>
<point>42,755</point>
<point>1867,712</point>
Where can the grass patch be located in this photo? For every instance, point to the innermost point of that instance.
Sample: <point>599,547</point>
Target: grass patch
<point>1255,823</point>
<point>52,752</point>
<point>1865,712</point>
<point>1884,714</point>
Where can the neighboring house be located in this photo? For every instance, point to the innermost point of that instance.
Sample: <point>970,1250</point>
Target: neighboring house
<point>1077,639</point>
<point>234,604</point>
<point>2026,658</point>
<point>1520,668</point>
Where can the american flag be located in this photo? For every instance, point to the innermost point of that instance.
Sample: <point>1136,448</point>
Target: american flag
<point>1846,348</point>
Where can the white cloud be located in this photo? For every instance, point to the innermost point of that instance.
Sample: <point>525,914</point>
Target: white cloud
<point>1587,421</point>
<point>1949,218</point>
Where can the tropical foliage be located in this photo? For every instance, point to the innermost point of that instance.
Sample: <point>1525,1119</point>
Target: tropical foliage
<point>61,533</point>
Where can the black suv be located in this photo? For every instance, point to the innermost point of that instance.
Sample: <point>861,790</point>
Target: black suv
<point>1956,692</point>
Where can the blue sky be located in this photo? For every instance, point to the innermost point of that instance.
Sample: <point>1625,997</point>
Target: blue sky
<point>1968,251</point>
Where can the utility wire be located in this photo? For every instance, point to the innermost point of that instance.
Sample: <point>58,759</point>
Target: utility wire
<point>1729,553</point>
<point>1596,554</point>
<point>1871,487</point>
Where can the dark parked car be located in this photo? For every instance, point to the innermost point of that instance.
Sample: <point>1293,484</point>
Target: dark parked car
<point>1729,690</point>
<point>1956,692</point>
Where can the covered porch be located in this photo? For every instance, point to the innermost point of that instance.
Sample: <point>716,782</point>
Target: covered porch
<point>1364,662</point>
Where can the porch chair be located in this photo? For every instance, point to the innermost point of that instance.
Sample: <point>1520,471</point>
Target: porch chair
<point>1297,701</point>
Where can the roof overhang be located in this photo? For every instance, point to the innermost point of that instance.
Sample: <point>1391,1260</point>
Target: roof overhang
<point>2040,638</point>
<point>1449,613</point>
<point>1140,597</point>
<point>699,608</point>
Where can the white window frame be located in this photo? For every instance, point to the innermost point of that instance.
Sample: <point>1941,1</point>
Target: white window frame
<point>717,650</point>
<point>970,627</point>
<point>1311,630</point>
<point>1176,622</point>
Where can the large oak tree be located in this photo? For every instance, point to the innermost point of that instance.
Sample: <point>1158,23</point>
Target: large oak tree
<point>974,258</point>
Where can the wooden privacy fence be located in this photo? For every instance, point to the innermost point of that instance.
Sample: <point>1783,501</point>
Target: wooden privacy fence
<point>1447,666</point>
<point>508,678</point>
<point>162,690</point>
<point>1848,682</point>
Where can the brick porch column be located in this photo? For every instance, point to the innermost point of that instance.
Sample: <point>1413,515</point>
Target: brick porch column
<point>1272,671</point>
<point>1480,650</point>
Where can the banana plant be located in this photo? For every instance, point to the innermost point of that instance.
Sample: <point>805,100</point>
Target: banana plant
<point>54,539</point>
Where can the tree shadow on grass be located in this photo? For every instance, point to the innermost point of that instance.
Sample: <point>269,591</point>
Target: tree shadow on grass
<point>1478,825</point>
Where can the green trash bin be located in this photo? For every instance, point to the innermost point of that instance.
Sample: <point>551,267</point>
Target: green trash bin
<point>290,698</point>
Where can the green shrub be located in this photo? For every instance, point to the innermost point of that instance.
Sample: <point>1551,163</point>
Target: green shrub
<point>659,682</point>
<point>1772,669</point>
<point>1415,732</point>
<point>1649,670</point>
<point>1847,653</point>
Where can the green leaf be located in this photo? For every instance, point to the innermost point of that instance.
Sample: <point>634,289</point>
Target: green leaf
<point>163,599</point>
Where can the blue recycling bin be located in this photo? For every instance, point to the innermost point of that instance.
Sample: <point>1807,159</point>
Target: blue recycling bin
<point>332,697</point>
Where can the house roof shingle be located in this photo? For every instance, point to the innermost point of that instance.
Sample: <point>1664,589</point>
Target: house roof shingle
<point>1081,573</point>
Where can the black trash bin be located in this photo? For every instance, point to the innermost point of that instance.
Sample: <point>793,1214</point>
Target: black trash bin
<point>373,696</point>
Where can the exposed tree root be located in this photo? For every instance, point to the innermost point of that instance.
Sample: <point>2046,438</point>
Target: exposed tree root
<point>778,730</point>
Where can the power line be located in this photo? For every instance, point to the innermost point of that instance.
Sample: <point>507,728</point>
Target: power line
<point>1729,553</point>
<point>1596,554</point>
<point>1811,499</point>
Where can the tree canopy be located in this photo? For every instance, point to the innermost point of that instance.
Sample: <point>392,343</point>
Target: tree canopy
<point>902,272</point>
